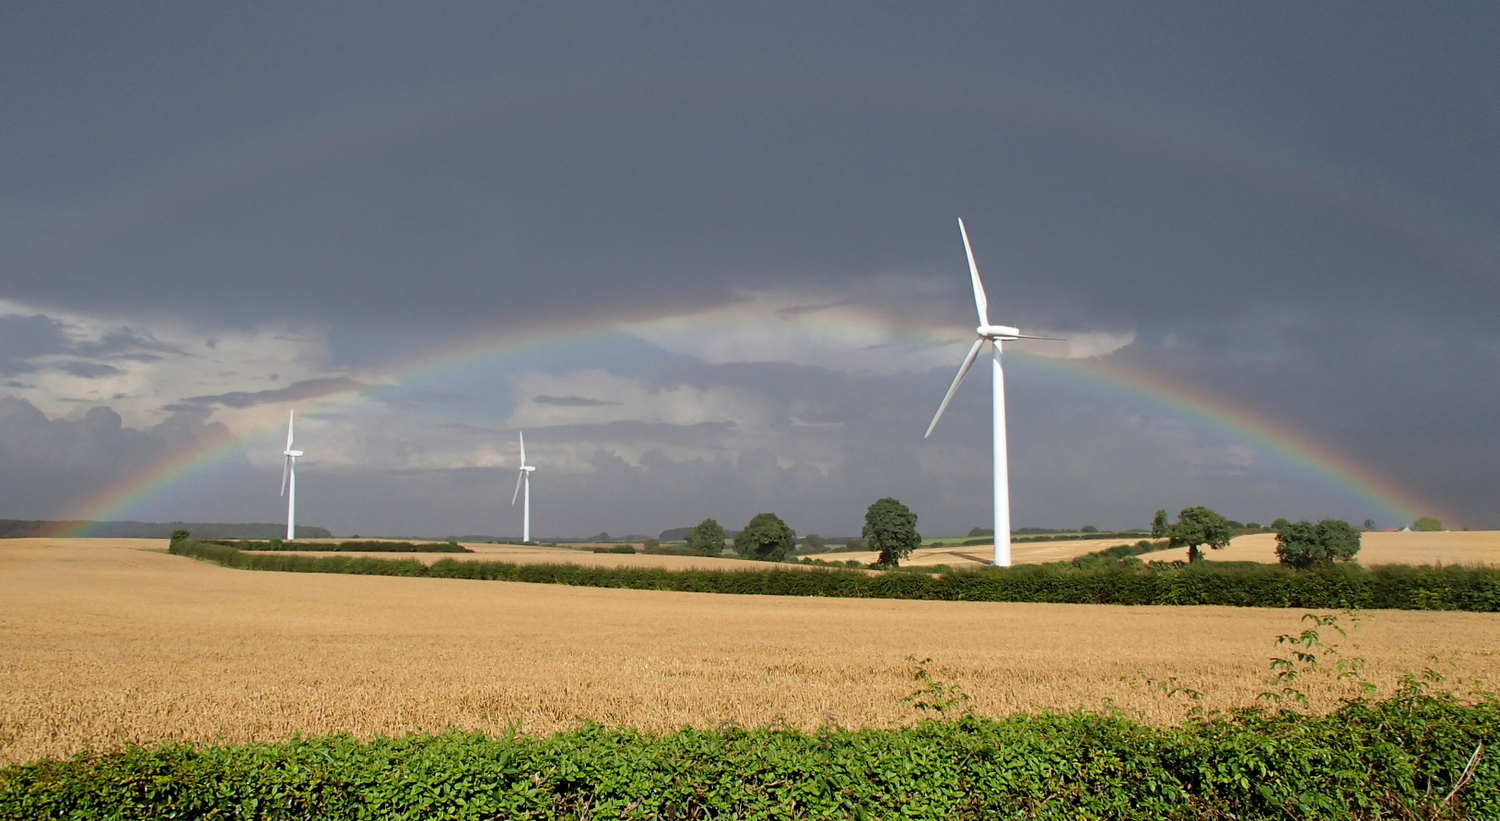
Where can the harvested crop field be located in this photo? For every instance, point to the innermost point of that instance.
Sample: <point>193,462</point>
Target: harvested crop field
<point>953,556</point>
<point>1448,547</point>
<point>970,555</point>
<point>106,643</point>
<point>529,554</point>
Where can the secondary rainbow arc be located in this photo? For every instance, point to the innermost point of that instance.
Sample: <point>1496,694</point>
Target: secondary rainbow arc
<point>1462,236</point>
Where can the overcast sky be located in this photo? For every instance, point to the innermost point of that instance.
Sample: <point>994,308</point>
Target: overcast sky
<point>707,257</point>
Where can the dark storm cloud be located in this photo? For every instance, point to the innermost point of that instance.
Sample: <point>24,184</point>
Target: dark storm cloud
<point>570,401</point>
<point>24,337</point>
<point>1291,208</point>
<point>89,370</point>
<point>665,189</point>
<point>125,343</point>
<point>1415,407</point>
<point>443,240</point>
<point>306,389</point>
<point>54,464</point>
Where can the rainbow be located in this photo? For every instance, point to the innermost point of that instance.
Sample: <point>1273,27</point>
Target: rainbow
<point>1279,439</point>
<point>1285,441</point>
<point>1465,240</point>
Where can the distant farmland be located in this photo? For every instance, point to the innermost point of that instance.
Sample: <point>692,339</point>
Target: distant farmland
<point>1453,547</point>
<point>970,555</point>
<point>108,644</point>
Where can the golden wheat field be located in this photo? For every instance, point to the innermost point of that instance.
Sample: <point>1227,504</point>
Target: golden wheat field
<point>1447,547</point>
<point>541,554</point>
<point>970,555</point>
<point>104,642</point>
<point>922,557</point>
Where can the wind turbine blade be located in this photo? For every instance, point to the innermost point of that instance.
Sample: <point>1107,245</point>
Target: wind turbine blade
<point>521,436</point>
<point>519,476</point>
<point>981,304</point>
<point>962,371</point>
<point>289,415</point>
<point>286,466</point>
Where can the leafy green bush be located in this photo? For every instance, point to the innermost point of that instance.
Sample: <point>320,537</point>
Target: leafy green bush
<point>707,538</point>
<point>766,538</point>
<point>1400,758</point>
<point>1241,584</point>
<point>1303,544</point>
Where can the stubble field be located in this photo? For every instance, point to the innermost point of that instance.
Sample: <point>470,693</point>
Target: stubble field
<point>105,642</point>
<point>1447,547</point>
<point>959,556</point>
<point>539,554</point>
<point>953,556</point>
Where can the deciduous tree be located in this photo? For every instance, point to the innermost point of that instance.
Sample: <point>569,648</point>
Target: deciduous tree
<point>707,538</point>
<point>1304,545</point>
<point>766,538</point>
<point>1198,526</point>
<point>891,528</point>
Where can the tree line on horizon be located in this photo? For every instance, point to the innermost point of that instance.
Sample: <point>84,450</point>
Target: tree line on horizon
<point>890,529</point>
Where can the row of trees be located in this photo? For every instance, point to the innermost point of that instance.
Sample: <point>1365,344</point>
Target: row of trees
<point>890,529</point>
<point>766,538</point>
<point>1298,544</point>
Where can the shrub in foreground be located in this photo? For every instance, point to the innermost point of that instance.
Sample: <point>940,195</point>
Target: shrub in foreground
<point>1407,757</point>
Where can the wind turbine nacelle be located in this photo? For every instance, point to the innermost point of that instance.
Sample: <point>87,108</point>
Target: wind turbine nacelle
<point>998,332</point>
<point>293,453</point>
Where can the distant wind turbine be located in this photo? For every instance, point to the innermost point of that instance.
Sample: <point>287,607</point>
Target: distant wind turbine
<point>524,478</point>
<point>994,334</point>
<point>289,480</point>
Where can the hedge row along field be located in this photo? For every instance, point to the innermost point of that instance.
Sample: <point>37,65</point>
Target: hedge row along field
<point>367,546</point>
<point>1397,587</point>
<point>1416,755</point>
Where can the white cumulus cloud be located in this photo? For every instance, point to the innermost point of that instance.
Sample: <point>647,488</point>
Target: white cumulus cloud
<point>882,335</point>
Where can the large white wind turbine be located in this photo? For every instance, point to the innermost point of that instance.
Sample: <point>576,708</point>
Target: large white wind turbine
<point>289,480</point>
<point>994,334</point>
<point>524,478</point>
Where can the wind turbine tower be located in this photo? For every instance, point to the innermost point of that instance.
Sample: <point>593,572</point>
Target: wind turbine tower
<point>289,480</point>
<point>524,478</point>
<point>994,334</point>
